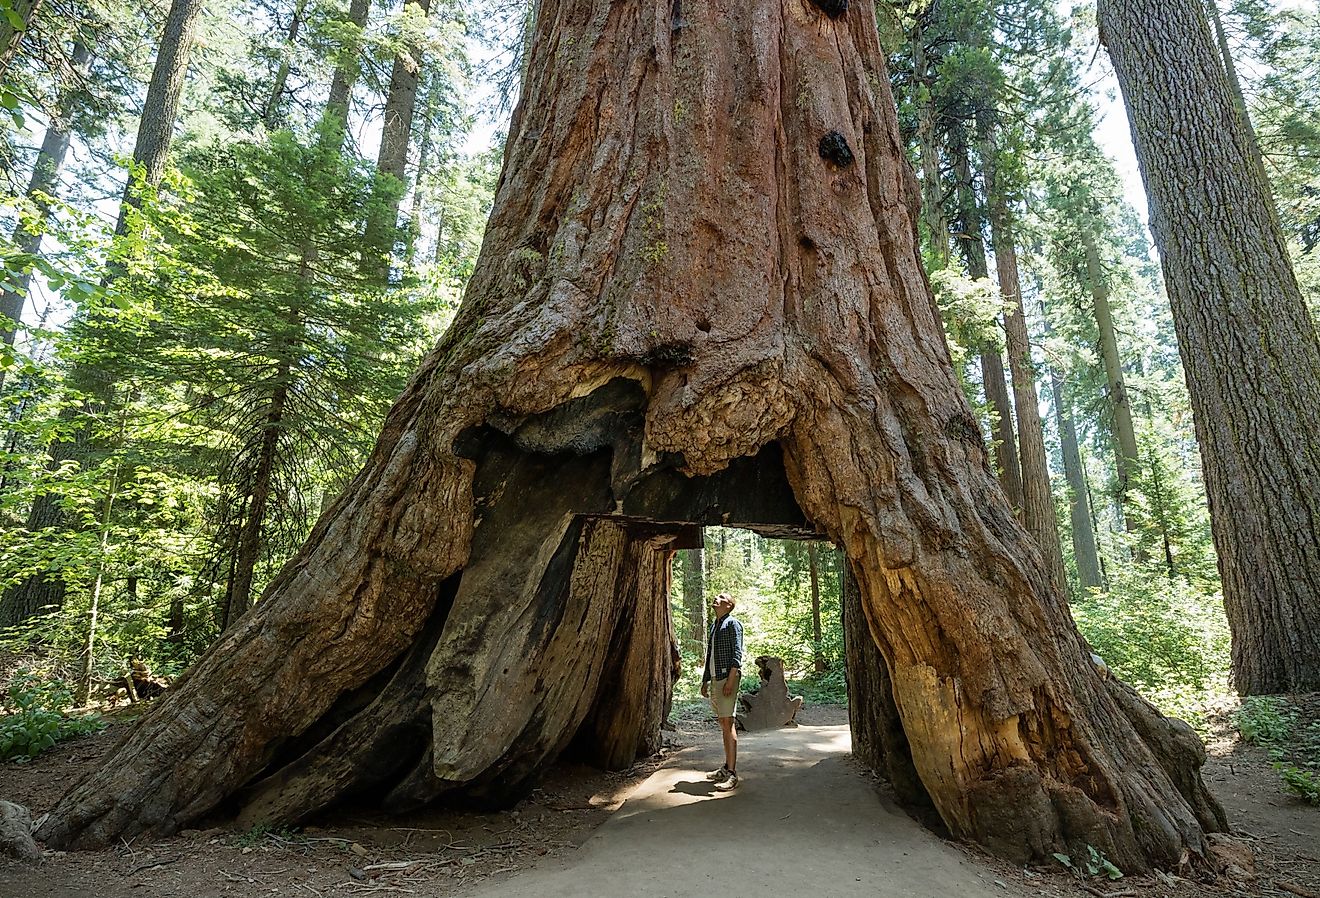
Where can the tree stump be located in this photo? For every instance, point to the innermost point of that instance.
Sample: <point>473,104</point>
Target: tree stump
<point>770,706</point>
<point>684,313</point>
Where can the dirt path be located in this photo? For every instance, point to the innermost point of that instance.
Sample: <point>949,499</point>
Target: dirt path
<point>803,822</point>
<point>807,823</point>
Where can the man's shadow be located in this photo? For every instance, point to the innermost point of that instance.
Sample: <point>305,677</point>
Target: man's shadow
<point>703,787</point>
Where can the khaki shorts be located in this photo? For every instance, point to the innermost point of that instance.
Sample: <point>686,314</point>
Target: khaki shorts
<point>723,704</point>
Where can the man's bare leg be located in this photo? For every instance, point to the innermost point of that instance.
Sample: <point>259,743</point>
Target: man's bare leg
<point>730,734</point>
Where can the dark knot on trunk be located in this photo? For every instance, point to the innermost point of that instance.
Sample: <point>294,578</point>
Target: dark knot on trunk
<point>832,8</point>
<point>834,148</point>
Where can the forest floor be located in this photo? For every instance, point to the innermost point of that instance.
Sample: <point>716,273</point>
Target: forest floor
<point>798,821</point>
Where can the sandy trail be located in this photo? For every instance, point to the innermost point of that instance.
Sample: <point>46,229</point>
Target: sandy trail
<point>803,823</point>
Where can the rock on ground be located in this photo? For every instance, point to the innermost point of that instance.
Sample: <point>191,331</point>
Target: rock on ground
<point>16,832</point>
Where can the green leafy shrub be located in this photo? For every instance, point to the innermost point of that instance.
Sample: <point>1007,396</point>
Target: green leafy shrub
<point>1271,722</point>
<point>37,723</point>
<point>1265,720</point>
<point>1095,864</point>
<point>1302,783</point>
<point>1168,638</point>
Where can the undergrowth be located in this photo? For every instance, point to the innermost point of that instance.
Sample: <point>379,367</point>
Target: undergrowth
<point>36,721</point>
<point>1274,723</point>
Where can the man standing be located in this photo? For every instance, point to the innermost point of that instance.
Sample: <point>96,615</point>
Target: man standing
<point>719,683</point>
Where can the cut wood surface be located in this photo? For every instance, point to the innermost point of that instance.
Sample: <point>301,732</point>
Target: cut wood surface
<point>770,705</point>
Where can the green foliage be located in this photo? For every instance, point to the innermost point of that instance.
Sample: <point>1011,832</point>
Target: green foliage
<point>261,832</point>
<point>1303,783</point>
<point>1168,639</point>
<point>771,582</point>
<point>1095,864</point>
<point>1274,723</point>
<point>828,688</point>
<point>1265,720</point>
<point>36,721</point>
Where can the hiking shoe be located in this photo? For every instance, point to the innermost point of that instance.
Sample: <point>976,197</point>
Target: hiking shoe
<point>727,785</point>
<point>718,776</point>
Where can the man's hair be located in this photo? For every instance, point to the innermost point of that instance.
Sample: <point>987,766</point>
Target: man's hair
<point>733,603</point>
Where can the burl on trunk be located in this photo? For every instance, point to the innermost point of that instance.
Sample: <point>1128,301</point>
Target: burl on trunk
<point>699,301</point>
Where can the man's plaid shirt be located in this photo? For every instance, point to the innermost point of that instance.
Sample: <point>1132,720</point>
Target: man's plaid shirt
<point>724,648</point>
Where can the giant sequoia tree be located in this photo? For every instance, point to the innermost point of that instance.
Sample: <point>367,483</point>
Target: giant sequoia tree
<point>699,301</point>
<point>1248,342</point>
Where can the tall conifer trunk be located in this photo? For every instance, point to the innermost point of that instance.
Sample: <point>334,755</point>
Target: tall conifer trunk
<point>44,183</point>
<point>1079,503</point>
<point>160,112</point>
<point>694,601</point>
<point>392,160</point>
<point>1248,343</point>
<point>270,116</point>
<point>993,379</point>
<point>1038,513</point>
<point>155,131</point>
<point>699,301</point>
<point>1126,456</point>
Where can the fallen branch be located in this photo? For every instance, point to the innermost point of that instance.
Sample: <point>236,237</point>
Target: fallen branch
<point>1300,891</point>
<point>152,865</point>
<point>1125,893</point>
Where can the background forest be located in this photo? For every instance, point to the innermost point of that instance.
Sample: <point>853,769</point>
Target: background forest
<point>237,226</point>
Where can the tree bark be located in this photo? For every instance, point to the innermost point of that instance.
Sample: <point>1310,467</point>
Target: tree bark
<point>1126,456</point>
<point>1235,87</point>
<point>691,308</point>
<point>932,185</point>
<point>1079,505</point>
<point>1248,343</point>
<point>1038,513</point>
<point>993,379</point>
<point>239,592</point>
<point>347,68</point>
<point>43,184</point>
<point>392,160</point>
<point>161,109</point>
<point>11,37</point>
<point>878,740</point>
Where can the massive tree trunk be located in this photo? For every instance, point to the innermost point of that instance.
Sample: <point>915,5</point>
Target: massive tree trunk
<point>699,301</point>
<point>877,729</point>
<point>1247,340</point>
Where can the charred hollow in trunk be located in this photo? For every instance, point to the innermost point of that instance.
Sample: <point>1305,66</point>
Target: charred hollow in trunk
<point>682,315</point>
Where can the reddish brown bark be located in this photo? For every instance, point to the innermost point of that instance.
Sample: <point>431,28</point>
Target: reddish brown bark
<point>683,313</point>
